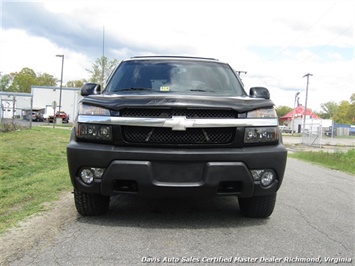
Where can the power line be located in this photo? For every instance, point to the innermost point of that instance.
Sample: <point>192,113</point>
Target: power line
<point>314,52</point>
<point>325,45</point>
<point>303,33</point>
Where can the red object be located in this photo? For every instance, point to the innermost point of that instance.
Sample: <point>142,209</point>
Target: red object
<point>62,114</point>
<point>299,112</point>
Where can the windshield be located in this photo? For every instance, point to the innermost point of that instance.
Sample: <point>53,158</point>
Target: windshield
<point>159,76</point>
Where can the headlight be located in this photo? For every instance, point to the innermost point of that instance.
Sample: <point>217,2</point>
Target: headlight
<point>85,109</point>
<point>262,113</point>
<point>261,134</point>
<point>96,132</point>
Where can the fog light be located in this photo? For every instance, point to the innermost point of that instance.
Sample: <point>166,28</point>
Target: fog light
<point>88,175</point>
<point>98,172</point>
<point>267,178</point>
<point>257,174</point>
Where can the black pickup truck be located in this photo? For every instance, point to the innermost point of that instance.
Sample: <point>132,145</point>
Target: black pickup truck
<point>176,127</point>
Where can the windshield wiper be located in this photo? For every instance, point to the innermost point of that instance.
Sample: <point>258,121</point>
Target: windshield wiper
<point>137,89</point>
<point>201,90</point>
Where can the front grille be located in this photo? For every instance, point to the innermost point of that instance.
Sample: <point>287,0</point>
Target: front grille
<point>168,113</point>
<point>159,135</point>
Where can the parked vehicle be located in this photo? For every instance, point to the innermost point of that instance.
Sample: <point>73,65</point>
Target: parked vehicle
<point>37,116</point>
<point>62,114</point>
<point>330,131</point>
<point>285,129</point>
<point>352,131</point>
<point>176,127</point>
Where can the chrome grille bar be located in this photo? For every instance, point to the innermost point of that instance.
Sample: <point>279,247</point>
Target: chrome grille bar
<point>179,123</point>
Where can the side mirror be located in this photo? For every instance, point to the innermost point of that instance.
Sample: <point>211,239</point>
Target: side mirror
<point>259,92</point>
<point>90,88</point>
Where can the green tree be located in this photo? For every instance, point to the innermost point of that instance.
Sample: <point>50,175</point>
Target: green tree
<point>351,111</point>
<point>282,110</point>
<point>44,79</point>
<point>5,82</point>
<point>343,114</point>
<point>101,69</point>
<point>352,98</point>
<point>23,80</point>
<point>75,83</point>
<point>329,109</point>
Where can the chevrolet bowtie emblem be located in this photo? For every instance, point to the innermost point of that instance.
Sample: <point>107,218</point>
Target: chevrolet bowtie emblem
<point>179,123</point>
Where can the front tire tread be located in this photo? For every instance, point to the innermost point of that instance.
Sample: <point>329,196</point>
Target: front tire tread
<point>88,204</point>
<point>257,207</point>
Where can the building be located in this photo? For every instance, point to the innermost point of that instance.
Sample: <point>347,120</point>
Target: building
<point>45,96</point>
<point>13,104</point>
<point>295,119</point>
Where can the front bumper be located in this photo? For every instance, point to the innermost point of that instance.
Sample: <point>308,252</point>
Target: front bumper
<point>167,172</point>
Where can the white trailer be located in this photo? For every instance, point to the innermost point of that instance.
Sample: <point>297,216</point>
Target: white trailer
<point>44,96</point>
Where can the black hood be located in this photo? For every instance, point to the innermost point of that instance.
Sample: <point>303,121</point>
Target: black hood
<point>118,102</point>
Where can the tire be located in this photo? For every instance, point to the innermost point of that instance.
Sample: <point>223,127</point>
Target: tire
<point>257,207</point>
<point>90,204</point>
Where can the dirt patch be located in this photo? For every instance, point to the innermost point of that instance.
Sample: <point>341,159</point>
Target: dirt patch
<point>37,229</point>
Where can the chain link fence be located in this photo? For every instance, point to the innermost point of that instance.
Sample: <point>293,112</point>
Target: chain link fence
<point>312,134</point>
<point>16,111</point>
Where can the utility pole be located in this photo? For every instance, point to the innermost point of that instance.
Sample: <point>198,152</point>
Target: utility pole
<point>293,114</point>
<point>305,106</point>
<point>103,58</point>
<point>61,85</point>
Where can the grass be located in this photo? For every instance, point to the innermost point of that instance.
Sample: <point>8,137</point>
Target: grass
<point>33,170</point>
<point>342,161</point>
<point>345,137</point>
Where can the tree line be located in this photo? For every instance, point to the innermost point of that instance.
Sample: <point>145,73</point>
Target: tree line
<point>341,113</point>
<point>27,77</point>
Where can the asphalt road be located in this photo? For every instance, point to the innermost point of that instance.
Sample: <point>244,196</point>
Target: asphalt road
<point>313,221</point>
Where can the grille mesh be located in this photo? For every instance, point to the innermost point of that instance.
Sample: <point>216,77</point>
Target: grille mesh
<point>168,113</point>
<point>159,135</point>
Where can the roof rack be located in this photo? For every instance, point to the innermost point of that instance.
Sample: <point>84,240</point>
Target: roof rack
<point>175,56</point>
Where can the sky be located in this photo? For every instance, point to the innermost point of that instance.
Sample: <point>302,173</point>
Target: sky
<point>275,42</point>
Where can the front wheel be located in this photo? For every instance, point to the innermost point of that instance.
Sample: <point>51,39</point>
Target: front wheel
<point>90,204</point>
<point>257,207</point>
